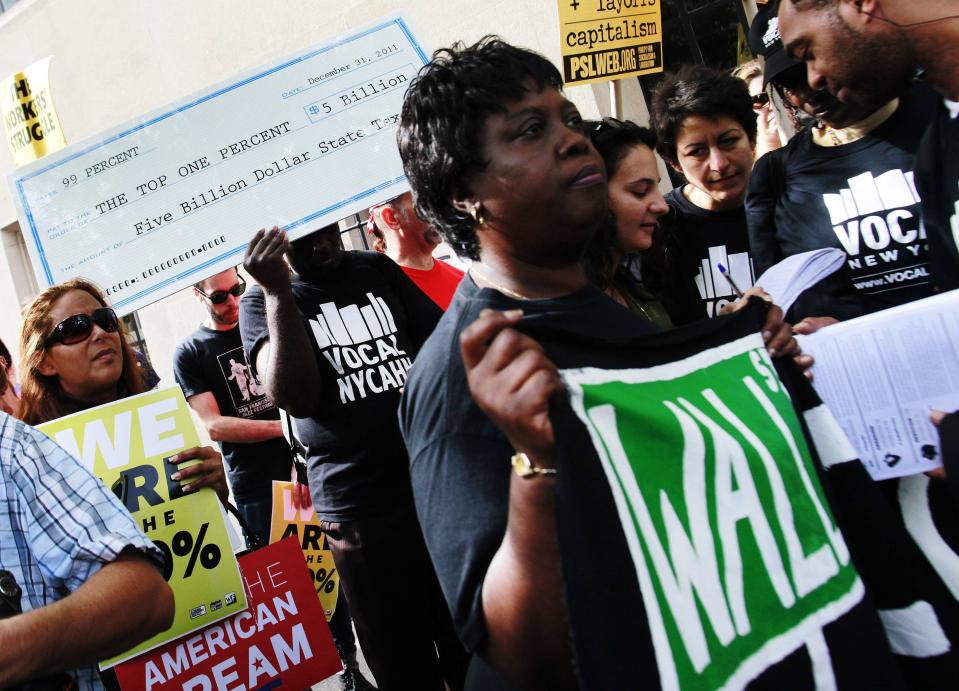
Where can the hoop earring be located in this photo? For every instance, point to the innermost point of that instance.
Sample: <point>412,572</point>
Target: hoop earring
<point>476,211</point>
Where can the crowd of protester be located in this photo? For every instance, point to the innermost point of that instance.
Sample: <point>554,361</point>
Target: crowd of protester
<point>429,425</point>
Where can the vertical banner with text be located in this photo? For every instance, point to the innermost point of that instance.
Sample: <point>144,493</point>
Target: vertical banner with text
<point>127,444</point>
<point>303,524</point>
<point>603,40</point>
<point>29,119</point>
<point>279,641</point>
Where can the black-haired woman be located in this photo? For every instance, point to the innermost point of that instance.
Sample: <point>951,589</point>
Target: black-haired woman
<point>635,206</point>
<point>499,162</point>
<point>706,130</point>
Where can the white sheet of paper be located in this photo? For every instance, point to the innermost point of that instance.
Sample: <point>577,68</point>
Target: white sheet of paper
<point>786,280</point>
<point>881,374</point>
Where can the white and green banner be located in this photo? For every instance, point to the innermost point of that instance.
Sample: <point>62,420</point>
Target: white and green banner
<point>737,556</point>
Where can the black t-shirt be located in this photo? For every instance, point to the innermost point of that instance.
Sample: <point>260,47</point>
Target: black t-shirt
<point>366,321</point>
<point>703,239</point>
<point>937,176</point>
<point>213,361</point>
<point>858,197</point>
<point>459,461</point>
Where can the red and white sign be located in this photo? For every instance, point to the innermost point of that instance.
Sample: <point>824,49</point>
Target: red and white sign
<point>282,639</point>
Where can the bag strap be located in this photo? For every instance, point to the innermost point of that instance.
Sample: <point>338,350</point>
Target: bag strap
<point>297,450</point>
<point>252,539</point>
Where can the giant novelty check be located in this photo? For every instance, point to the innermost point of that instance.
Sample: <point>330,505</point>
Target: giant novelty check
<point>172,197</point>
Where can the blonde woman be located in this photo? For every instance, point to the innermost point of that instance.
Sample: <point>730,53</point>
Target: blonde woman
<point>74,355</point>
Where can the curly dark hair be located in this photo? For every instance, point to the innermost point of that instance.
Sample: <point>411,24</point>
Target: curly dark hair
<point>613,139</point>
<point>703,91</point>
<point>442,118</point>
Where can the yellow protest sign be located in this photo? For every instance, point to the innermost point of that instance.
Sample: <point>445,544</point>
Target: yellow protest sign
<point>610,39</point>
<point>29,118</point>
<point>127,445</point>
<point>305,527</point>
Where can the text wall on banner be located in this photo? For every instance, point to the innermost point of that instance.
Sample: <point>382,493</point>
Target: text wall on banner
<point>163,201</point>
<point>280,640</point>
<point>127,445</point>
<point>736,449</point>
<point>303,524</point>
<point>610,39</point>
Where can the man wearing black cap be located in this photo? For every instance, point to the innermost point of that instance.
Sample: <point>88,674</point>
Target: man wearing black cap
<point>867,51</point>
<point>850,186</point>
<point>862,49</point>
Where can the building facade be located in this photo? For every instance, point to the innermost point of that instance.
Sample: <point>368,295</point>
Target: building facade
<point>113,60</point>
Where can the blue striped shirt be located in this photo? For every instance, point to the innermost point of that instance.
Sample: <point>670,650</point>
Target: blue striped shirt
<point>58,523</point>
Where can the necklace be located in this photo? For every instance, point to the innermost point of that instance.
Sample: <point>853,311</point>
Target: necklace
<point>493,284</point>
<point>827,131</point>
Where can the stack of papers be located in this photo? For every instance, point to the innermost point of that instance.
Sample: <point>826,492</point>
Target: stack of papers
<point>789,278</point>
<point>881,374</point>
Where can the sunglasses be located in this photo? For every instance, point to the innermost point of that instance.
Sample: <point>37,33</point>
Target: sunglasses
<point>793,80</point>
<point>760,100</point>
<point>605,127</point>
<point>78,328</point>
<point>218,297</point>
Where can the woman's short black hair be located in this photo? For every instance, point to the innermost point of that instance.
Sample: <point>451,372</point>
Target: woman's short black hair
<point>442,118</point>
<point>703,91</point>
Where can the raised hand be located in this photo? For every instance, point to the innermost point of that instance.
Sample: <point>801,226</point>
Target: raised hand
<point>511,380</point>
<point>264,259</point>
<point>207,473</point>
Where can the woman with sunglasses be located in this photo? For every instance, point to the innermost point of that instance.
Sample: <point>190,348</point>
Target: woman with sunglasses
<point>635,207</point>
<point>74,355</point>
<point>768,136</point>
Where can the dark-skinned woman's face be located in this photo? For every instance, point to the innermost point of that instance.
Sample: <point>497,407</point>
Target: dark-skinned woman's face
<point>543,191</point>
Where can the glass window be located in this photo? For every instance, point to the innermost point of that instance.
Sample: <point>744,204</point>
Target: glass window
<point>694,5</point>
<point>135,333</point>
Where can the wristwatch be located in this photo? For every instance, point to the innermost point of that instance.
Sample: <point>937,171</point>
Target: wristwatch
<point>524,467</point>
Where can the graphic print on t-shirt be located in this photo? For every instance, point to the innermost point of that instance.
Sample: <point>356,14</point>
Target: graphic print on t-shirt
<point>714,289</point>
<point>247,392</point>
<point>359,342</point>
<point>877,228</point>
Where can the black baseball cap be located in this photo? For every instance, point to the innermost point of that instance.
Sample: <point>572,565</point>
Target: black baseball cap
<point>764,40</point>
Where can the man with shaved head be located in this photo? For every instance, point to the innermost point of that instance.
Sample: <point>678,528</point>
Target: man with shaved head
<point>867,51</point>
